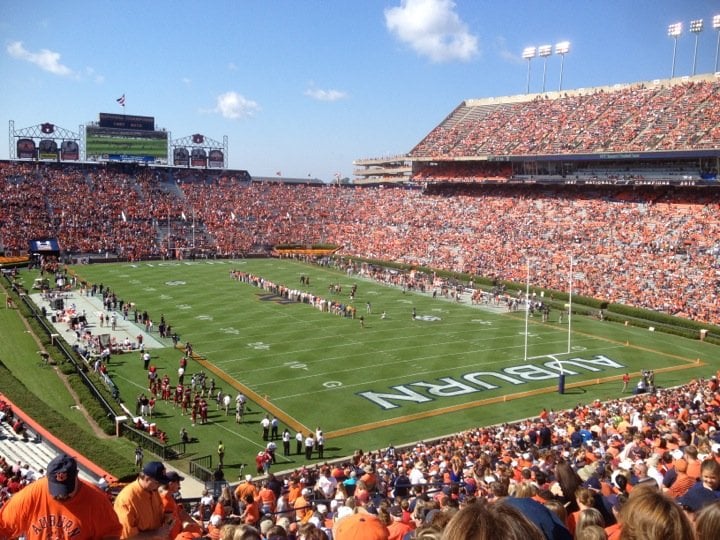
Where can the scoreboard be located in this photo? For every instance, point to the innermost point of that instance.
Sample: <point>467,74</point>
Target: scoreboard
<point>119,137</point>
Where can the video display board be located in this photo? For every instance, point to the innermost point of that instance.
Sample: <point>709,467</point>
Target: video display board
<point>216,159</point>
<point>69,150</point>
<point>181,157</point>
<point>112,144</point>
<point>48,149</point>
<point>26,149</point>
<point>198,158</point>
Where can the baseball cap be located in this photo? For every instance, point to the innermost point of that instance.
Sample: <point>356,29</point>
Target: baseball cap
<point>172,476</point>
<point>156,471</point>
<point>62,475</point>
<point>361,526</point>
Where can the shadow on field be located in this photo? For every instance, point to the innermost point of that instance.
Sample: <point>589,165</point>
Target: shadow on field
<point>575,391</point>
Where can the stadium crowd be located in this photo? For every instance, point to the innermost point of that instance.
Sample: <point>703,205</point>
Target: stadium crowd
<point>622,242</point>
<point>674,117</point>
<point>591,467</point>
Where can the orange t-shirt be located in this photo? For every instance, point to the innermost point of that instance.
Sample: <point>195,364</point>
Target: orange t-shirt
<point>34,514</point>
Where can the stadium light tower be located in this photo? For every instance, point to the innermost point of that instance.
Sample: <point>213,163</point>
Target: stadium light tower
<point>716,27</point>
<point>543,52</point>
<point>562,49</point>
<point>528,54</point>
<point>674,31</point>
<point>696,27</point>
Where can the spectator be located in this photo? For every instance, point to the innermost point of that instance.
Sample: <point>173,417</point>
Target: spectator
<point>182,521</point>
<point>651,515</point>
<point>707,522</point>
<point>78,510</point>
<point>139,506</point>
<point>497,521</point>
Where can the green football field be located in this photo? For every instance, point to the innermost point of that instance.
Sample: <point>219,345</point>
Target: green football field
<point>392,380</point>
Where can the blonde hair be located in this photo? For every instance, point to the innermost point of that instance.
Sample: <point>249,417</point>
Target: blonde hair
<point>652,515</point>
<point>587,517</point>
<point>707,522</point>
<point>497,521</point>
<point>591,532</point>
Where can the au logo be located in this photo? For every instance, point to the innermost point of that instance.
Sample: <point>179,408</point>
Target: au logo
<point>61,477</point>
<point>275,298</point>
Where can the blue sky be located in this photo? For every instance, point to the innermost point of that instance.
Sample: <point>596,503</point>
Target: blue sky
<point>304,87</point>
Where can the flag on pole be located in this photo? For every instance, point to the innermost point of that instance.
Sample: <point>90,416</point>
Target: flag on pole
<point>123,216</point>
<point>121,100</point>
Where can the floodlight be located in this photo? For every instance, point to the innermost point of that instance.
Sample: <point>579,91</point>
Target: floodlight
<point>543,52</point>
<point>562,48</point>
<point>529,53</point>
<point>674,31</point>
<point>716,26</point>
<point>696,27</point>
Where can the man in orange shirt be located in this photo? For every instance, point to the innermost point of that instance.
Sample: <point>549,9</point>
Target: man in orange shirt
<point>139,506</point>
<point>182,521</point>
<point>691,455</point>
<point>683,482</point>
<point>267,498</point>
<point>59,506</point>
<point>398,528</point>
<point>302,504</point>
<point>245,488</point>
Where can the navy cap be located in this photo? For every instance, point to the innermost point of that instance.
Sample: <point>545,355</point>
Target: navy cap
<point>156,471</point>
<point>62,475</point>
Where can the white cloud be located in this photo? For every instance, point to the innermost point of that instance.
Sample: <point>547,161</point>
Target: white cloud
<point>186,81</point>
<point>325,95</point>
<point>505,53</point>
<point>96,77</point>
<point>232,66</point>
<point>433,29</point>
<point>233,105</point>
<point>44,59</point>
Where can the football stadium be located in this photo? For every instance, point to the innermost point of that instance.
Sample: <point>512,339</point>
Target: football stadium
<point>525,304</point>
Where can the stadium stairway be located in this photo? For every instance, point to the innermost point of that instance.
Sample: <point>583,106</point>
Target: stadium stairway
<point>31,450</point>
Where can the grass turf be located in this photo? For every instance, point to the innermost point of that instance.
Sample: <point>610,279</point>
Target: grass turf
<point>393,381</point>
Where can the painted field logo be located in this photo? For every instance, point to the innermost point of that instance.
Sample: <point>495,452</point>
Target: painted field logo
<point>479,381</point>
<point>427,318</point>
<point>175,283</point>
